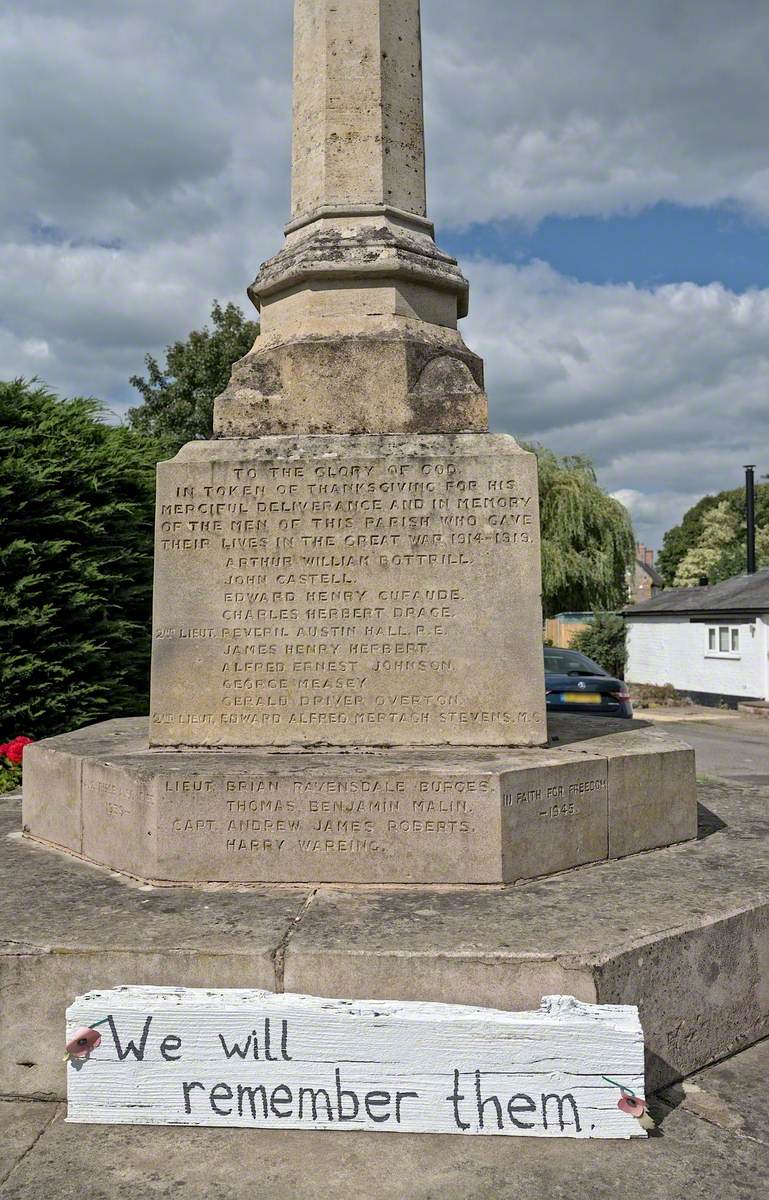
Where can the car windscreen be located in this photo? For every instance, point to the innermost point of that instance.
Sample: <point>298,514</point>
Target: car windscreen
<point>570,662</point>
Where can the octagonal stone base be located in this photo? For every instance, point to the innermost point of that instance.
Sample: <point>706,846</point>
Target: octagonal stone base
<point>601,789</point>
<point>683,932</point>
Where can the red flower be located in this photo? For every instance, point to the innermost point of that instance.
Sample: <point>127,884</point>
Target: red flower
<point>14,751</point>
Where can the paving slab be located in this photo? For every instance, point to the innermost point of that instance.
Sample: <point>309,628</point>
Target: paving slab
<point>687,1157</point>
<point>21,1124</point>
<point>731,1094</point>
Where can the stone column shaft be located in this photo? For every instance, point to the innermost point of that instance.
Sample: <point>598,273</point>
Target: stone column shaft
<point>358,117</point>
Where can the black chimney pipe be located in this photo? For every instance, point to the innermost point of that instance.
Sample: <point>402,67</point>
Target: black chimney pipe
<point>750,514</point>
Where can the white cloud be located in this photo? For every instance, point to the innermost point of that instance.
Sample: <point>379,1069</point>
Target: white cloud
<point>595,107</point>
<point>665,389</point>
<point>148,149</point>
<point>36,348</point>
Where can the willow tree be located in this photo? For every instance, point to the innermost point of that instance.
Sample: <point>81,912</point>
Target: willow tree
<point>587,537</point>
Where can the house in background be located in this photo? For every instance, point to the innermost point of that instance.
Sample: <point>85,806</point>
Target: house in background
<point>643,579</point>
<point>710,643</point>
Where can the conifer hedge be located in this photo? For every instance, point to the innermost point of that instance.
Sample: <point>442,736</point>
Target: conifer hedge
<point>77,499</point>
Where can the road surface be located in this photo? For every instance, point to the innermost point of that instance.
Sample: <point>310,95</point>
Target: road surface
<point>735,748</point>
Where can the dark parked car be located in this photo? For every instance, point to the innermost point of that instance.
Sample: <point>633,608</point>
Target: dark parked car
<point>575,683</point>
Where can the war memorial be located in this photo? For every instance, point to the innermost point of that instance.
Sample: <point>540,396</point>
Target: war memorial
<point>348,784</point>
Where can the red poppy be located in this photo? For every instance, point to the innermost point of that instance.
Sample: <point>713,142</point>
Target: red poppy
<point>14,751</point>
<point>82,1042</point>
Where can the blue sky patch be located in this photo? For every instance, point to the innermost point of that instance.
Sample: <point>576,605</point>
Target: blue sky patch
<point>667,243</point>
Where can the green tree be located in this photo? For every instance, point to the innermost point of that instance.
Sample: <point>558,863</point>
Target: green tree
<point>717,539</point>
<point>683,538</point>
<point>178,399</point>
<point>587,537</point>
<point>604,642</point>
<point>75,563</point>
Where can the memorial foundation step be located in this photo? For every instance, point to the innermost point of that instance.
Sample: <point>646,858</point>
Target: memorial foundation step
<point>601,789</point>
<point>683,932</point>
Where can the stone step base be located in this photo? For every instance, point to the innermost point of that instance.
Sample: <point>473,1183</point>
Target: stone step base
<point>682,932</point>
<point>601,789</point>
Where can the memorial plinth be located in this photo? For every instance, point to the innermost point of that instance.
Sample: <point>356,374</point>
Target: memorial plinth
<point>348,591</point>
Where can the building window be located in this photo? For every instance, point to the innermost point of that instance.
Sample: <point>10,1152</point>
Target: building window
<point>723,641</point>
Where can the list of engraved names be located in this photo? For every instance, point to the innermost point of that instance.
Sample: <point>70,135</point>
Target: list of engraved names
<point>340,600</point>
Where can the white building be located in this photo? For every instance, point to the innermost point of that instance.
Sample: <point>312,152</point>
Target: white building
<point>710,643</point>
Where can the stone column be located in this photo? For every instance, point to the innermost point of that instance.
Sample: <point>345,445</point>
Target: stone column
<point>360,308</point>
<point>358,121</point>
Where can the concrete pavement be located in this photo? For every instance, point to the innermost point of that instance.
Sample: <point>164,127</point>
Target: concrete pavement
<point>712,1143</point>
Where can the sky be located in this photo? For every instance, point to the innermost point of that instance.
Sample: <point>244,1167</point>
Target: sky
<point>601,169</point>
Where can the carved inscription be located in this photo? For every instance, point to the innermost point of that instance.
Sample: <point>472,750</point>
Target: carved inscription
<point>291,821</point>
<point>556,800</point>
<point>343,602</point>
<point>312,825</point>
<point>314,816</point>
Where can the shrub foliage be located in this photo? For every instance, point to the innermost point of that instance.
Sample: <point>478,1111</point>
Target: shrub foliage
<point>604,642</point>
<point>75,563</point>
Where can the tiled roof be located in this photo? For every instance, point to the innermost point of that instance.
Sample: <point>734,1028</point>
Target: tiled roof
<point>741,593</point>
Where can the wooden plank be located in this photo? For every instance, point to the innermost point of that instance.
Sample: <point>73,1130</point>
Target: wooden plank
<point>179,1056</point>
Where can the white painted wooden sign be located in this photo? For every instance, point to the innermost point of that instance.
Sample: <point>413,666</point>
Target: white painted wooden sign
<point>179,1056</point>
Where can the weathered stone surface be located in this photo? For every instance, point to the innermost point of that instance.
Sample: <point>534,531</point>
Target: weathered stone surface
<point>691,1158</point>
<point>683,932</point>
<point>21,1125</point>
<point>646,790</point>
<point>349,254</point>
<point>358,124</point>
<point>58,813</point>
<point>466,815</point>
<point>360,307</point>
<point>731,1094</point>
<point>348,591</point>
<point>650,773</point>
<point>373,382</point>
<point>554,814</point>
<point>66,927</point>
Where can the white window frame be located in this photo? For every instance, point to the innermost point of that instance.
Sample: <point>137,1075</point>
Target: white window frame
<point>715,630</point>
